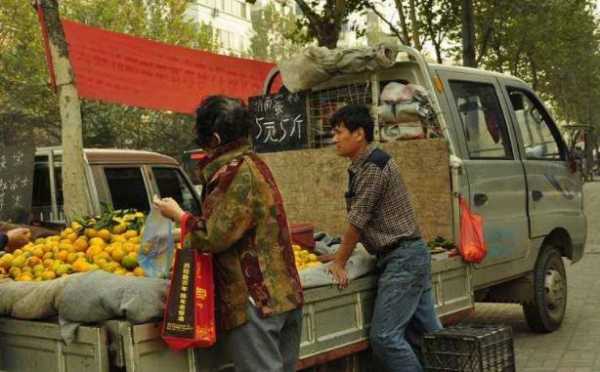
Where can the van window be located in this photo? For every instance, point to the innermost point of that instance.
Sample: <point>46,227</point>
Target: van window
<point>127,188</point>
<point>482,120</point>
<point>171,184</point>
<point>41,201</point>
<point>538,132</point>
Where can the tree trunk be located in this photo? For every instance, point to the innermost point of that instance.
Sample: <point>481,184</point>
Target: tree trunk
<point>468,34</point>
<point>405,33</point>
<point>74,176</point>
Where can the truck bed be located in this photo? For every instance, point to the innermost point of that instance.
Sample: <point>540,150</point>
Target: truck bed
<point>336,324</point>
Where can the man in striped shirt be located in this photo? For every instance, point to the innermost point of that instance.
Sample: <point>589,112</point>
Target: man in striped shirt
<point>381,217</point>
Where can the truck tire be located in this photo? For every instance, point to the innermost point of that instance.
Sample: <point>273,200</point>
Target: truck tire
<point>546,309</point>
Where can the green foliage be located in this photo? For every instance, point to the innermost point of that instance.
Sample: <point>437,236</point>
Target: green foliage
<point>26,99</point>
<point>553,45</point>
<point>276,35</point>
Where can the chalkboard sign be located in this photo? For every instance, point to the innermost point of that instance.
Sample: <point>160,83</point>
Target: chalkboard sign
<point>16,182</point>
<point>280,122</point>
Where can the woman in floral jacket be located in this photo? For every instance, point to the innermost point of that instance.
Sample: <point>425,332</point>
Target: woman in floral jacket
<point>259,295</point>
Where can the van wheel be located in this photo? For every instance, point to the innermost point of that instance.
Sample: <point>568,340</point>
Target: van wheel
<point>546,309</point>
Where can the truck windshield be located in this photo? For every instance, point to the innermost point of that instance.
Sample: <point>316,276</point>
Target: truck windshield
<point>172,184</point>
<point>127,188</point>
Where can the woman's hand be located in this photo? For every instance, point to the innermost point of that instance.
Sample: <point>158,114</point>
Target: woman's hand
<point>168,207</point>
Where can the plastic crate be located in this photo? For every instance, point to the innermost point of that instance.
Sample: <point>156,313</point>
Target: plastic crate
<point>472,348</point>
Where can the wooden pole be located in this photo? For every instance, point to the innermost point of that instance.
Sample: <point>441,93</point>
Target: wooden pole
<point>468,34</point>
<point>74,175</point>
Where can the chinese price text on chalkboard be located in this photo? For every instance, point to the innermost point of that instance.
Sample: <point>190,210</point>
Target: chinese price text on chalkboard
<point>280,122</point>
<point>16,182</point>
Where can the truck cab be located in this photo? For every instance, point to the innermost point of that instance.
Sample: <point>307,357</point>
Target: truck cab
<point>118,178</point>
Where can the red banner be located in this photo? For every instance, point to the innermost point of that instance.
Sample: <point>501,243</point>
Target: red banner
<point>114,67</point>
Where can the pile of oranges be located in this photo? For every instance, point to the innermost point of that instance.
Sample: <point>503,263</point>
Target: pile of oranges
<point>75,249</point>
<point>304,259</point>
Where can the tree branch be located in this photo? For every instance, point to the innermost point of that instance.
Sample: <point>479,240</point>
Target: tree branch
<point>392,27</point>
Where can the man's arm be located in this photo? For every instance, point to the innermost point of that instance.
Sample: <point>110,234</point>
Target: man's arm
<point>338,266</point>
<point>368,190</point>
<point>14,238</point>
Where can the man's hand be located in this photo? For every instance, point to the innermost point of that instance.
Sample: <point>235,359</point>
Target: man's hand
<point>18,237</point>
<point>339,273</point>
<point>168,207</point>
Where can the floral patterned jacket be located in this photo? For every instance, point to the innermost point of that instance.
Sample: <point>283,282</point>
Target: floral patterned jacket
<point>244,225</point>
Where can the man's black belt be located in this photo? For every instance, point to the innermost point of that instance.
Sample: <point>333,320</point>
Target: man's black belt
<point>390,247</point>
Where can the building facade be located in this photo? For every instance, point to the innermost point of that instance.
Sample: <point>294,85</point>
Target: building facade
<point>229,18</point>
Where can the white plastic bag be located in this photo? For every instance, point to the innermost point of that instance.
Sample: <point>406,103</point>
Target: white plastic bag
<point>156,252</point>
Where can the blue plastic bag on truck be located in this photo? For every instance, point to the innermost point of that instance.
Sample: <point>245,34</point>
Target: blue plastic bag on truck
<point>156,251</point>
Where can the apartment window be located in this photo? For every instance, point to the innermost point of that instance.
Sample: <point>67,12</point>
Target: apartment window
<point>243,10</point>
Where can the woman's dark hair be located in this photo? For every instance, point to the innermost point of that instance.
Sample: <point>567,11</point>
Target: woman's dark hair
<point>228,117</point>
<point>353,117</point>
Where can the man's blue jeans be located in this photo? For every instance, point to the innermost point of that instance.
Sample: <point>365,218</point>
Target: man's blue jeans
<point>404,307</point>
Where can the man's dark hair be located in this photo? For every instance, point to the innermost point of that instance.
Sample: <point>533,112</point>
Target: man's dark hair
<point>353,117</point>
<point>228,117</point>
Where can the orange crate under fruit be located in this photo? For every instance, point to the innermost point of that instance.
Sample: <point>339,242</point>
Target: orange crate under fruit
<point>303,235</point>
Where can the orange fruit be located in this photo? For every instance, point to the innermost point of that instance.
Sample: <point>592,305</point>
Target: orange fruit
<point>64,269</point>
<point>19,261</point>
<point>71,257</point>
<point>80,245</point>
<point>130,234</point>
<point>38,250</point>
<point>111,267</point>
<point>117,254</point>
<point>39,269</point>
<point>14,272</point>
<point>62,255</point>
<point>93,250</point>
<point>25,277</point>
<point>138,271</point>
<point>48,275</point>
<point>119,229</point>
<point>118,238</point>
<point>66,232</point>
<point>97,241</point>
<point>91,232</point>
<point>129,262</point>
<point>104,234</point>
<point>80,265</point>
<point>33,261</point>
<point>72,236</point>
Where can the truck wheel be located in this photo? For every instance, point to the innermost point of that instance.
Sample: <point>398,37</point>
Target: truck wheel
<point>546,309</point>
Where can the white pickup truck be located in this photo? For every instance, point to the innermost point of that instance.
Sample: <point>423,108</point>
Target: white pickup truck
<point>508,161</point>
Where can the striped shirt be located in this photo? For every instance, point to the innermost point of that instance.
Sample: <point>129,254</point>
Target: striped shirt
<point>378,203</point>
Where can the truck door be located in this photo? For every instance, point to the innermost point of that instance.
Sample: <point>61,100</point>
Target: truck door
<point>554,195</point>
<point>495,175</point>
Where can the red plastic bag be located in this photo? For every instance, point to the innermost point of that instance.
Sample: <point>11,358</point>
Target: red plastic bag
<point>472,242</point>
<point>189,319</point>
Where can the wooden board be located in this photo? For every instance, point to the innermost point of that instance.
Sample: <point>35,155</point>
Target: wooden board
<point>313,183</point>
